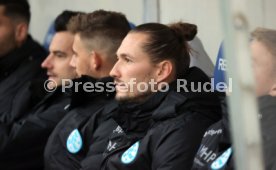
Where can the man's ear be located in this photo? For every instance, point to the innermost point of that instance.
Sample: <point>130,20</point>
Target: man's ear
<point>21,33</point>
<point>272,91</point>
<point>96,61</point>
<point>164,71</point>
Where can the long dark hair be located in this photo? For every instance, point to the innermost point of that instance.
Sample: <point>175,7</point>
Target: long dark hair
<point>169,42</point>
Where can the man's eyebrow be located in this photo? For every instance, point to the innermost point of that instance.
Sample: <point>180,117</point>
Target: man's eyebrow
<point>125,55</point>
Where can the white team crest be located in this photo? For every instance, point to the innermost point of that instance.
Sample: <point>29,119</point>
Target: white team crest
<point>221,160</point>
<point>130,154</point>
<point>74,141</point>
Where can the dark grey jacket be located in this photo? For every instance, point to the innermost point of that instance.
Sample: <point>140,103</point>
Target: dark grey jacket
<point>164,132</point>
<point>17,69</point>
<point>22,141</point>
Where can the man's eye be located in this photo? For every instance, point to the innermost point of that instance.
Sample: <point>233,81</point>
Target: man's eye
<point>127,59</point>
<point>60,56</point>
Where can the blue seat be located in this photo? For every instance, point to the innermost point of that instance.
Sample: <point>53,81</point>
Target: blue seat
<point>131,25</point>
<point>220,68</point>
<point>49,36</point>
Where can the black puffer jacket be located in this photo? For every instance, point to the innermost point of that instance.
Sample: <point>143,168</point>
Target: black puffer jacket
<point>164,132</point>
<point>267,105</point>
<point>23,141</point>
<point>88,124</point>
<point>216,147</point>
<point>17,69</point>
<point>215,151</point>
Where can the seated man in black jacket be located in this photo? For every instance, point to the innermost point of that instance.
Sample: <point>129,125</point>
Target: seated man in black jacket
<point>97,37</point>
<point>216,147</point>
<point>163,109</point>
<point>20,55</point>
<point>23,141</point>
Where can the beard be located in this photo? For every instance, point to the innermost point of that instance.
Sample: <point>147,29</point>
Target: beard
<point>135,98</point>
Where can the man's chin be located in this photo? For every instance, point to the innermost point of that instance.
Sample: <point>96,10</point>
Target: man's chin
<point>52,82</point>
<point>121,98</point>
<point>138,98</point>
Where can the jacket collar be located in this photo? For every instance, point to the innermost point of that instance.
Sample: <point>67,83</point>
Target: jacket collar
<point>13,59</point>
<point>138,117</point>
<point>82,94</point>
<point>267,105</point>
<point>207,103</point>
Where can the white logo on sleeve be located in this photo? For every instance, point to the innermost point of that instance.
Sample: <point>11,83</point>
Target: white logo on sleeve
<point>111,146</point>
<point>74,141</point>
<point>130,154</point>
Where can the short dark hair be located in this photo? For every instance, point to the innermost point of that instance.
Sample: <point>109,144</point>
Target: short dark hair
<point>17,9</point>
<point>83,23</point>
<point>63,19</point>
<point>168,42</point>
<point>107,27</point>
